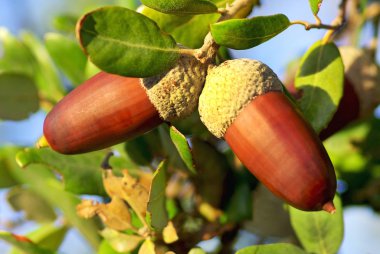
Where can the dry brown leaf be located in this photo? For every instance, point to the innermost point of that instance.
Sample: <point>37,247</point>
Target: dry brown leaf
<point>147,247</point>
<point>114,214</point>
<point>209,212</point>
<point>87,209</point>
<point>112,184</point>
<point>135,194</point>
<point>169,233</point>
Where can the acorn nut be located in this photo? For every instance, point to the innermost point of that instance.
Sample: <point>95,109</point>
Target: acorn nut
<point>108,109</point>
<point>243,102</point>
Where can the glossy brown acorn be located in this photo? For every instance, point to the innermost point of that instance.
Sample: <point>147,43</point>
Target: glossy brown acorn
<point>268,134</point>
<point>105,110</point>
<point>108,109</point>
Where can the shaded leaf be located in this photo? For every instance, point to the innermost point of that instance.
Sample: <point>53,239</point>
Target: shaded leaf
<point>157,198</point>
<point>117,38</point>
<point>139,151</point>
<point>169,233</point>
<point>188,30</point>
<point>315,5</point>
<point>212,168</point>
<point>75,170</point>
<point>35,207</point>
<point>320,77</point>
<point>68,56</point>
<point>15,56</point>
<point>6,179</point>
<point>181,6</point>
<point>121,242</point>
<point>239,206</point>
<point>277,248</point>
<point>18,96</point>
<point>248,33</point>
<point>46,76</point>
<point>319,232</point>
<point>147,247</point>
<point>49,236</point>
<point>183,148</point>
<point>23,243</point>
<point>269,218</point>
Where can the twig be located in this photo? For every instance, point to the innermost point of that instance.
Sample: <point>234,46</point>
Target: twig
<point>338,21</point>
<point>209,49</point>
<point>309,26</point>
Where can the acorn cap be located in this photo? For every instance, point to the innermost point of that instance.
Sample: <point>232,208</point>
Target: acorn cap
<point>229,88</point>
<point>175,93</point>
<point>364,75</point>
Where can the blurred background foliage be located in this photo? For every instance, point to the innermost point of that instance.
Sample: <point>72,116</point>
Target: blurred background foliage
<point>222,204</point>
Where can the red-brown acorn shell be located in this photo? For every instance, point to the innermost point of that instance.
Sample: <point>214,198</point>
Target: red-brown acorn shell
<point>274,142</point>
<point>107,109</point>
<point>243,102</point>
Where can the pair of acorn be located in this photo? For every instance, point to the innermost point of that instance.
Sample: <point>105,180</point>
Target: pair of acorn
<point>240,100</point>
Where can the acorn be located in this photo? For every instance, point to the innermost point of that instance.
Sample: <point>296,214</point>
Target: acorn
<point>108,109</point>
<point>243,102</point>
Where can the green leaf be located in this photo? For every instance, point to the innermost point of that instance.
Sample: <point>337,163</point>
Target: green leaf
<point>46,76</point>
<point>65,23</point>
<point>181,6</point>
<point>276,248</point>
<point>315,5</point>
<point>121,242</point>
<point>320,77</point>
<point>157,198</point>
<point>196,251</point>
<point>106,248</point>
<point>35,207</point>
<point>48,236</point>
<point>18,96</point>
<point>183,148</point>
<point>15,56</point>
<point>23,244</point>
<point>319,232</point>
<point>248,33</point>
<point>68,56</point>
<point>44,183</point>
<point>75,169</point>
<point>127,43</point>
<point>188,30</point>
<point>169,149</point>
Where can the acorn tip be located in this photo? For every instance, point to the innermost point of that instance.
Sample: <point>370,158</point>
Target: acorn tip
<point>42,143</point>
<point>329,207</point>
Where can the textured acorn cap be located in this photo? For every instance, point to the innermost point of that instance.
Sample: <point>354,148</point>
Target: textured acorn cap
<point>364,75</point>
<point>175,93</point>
<point>229,88</point>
